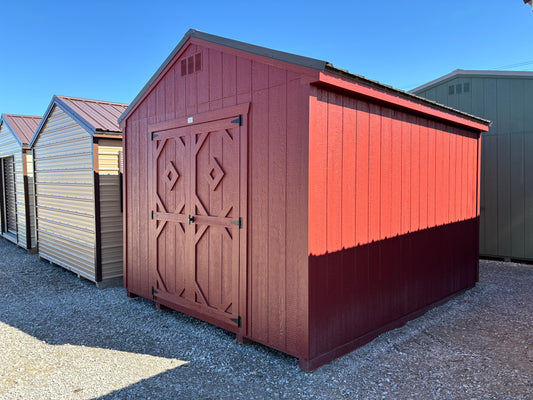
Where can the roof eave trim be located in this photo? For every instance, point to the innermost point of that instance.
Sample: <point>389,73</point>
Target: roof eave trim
<point>390,95</point>
<point>289,58</point>
<point>109,134</point>
<point>71,113</point>
<point>230,43</point>
<point>2,119</point>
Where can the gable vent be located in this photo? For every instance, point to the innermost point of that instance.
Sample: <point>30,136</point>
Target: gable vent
<point>191,64</point>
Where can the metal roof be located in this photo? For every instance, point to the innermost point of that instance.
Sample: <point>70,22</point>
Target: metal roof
<point>289,58</point>
<point>102,115</point>
<point>93,115</point>
<point>23,126</point>
<point>473,73</point>
<point>234,44</point>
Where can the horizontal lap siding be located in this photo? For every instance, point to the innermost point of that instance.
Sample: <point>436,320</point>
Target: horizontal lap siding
<point>277,181</point>
<point>65,194</point>
<point>110,208</point>
<point>393,215</point>
<point>10,147</point>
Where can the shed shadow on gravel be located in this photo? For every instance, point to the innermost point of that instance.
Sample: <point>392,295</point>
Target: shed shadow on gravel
<point>476,345</point>
<point>55,306</point>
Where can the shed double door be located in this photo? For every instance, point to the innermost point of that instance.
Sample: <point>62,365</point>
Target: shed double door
<point>198,192</point>
<point>9,205</point>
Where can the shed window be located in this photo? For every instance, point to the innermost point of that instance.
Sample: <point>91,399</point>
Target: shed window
<point>451,89</point>
<point>458,88</point>
<point>466,87</point>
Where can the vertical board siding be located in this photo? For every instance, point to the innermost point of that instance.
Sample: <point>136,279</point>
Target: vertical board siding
<point>10,147</point>
<point>110,208</point>
<point>65,194</point>
<point>277,180</point>
<point>388,232</point>
<point>506,221</point>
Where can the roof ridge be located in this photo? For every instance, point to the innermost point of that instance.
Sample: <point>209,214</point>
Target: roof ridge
<point>92,100</point>
<point>474,72</point>
<point>21,115</point>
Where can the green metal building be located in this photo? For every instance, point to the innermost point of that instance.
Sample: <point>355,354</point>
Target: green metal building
<point>506,99</point>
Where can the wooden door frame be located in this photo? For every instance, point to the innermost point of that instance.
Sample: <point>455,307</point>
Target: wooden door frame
<point>240,111</point>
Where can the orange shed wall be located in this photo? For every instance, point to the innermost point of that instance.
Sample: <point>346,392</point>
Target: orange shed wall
<point>277,180</point>
<point>393,217</point>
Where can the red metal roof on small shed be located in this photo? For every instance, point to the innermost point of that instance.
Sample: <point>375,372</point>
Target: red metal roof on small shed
<point>102,115</point>
<point>23,126</point>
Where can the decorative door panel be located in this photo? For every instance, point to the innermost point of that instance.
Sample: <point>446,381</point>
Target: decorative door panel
<point>170,215</point>
<point>215,206</point>
<point>198,204</point>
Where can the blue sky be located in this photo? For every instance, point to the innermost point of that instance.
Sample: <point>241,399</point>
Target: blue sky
<point>109,49</point>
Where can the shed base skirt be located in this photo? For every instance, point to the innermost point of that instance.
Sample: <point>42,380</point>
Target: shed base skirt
<point>109,283</point>
<point>312,364</point>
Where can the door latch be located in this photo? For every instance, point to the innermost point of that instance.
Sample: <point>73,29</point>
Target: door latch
<point>191,219</point>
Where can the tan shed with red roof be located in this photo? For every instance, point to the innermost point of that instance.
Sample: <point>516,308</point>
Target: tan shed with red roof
<point>17,217</point>
<point>78,179</point>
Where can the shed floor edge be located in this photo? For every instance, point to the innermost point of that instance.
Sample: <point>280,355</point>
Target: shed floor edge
<point>312,364</point>
<point>9,237</point>
<point>518,260</point>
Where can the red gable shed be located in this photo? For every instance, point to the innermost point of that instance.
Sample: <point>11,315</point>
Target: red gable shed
<point>293,203</point>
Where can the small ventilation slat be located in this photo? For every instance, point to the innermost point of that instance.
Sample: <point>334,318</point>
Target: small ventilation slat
<point>191,64</point>
<point>190,61</point>
<point>198,62</point>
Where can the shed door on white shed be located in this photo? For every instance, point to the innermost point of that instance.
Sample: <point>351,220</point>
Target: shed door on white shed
<point>9,209</point>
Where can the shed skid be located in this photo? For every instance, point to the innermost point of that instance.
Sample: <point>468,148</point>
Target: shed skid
<point>297,205</point>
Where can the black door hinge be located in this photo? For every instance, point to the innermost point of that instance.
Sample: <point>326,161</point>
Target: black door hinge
<point>237,222</point>
<point>153,135</point>
<point>238,120</point>
<point>153,215</point>
<point>154,292</point>
<point>237,320</point>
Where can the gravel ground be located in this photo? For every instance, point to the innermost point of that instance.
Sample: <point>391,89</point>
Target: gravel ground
<point>62,338</point>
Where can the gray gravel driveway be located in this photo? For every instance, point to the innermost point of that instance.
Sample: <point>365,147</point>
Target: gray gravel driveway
<point>62,338</point>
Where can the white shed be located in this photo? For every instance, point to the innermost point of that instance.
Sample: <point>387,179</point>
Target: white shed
<point>17,216</point>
